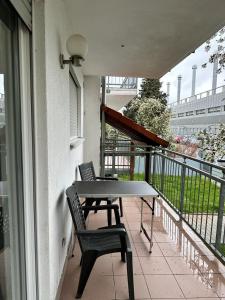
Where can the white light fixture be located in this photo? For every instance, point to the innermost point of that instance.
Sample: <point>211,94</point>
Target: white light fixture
<point>77,47</point>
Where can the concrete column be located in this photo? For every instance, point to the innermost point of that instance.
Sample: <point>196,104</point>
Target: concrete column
<point>179,78</point>
<point>92,124</point>
<point>168,91</point>
<point>194,69</point>
<point>214,80</point>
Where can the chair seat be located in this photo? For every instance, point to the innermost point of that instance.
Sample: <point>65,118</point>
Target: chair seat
<point>101,243</point>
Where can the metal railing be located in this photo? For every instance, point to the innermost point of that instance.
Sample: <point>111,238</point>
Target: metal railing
<point>218,90</point>
<point>117,83</point>
<point>195,189</point>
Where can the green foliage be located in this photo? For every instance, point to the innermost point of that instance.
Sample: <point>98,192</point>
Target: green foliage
<point>154,116</point>
<point>150,88</point>
<point>150,113</point>
<point>200,195</point>
<point>150,109</point>
<point>212,144</point>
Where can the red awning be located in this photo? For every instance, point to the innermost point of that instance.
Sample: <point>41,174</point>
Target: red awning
<point>132,129</point>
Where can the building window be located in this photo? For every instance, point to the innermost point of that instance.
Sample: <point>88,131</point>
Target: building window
<point>214,109</point>
<point>180,115</point>
<point>189,113</point>
<point>200,111</point>
<point>74,107</point>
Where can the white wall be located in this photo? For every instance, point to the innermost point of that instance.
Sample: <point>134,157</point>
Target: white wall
<point>92,124</point>
<point>55,161</point>
<point>118,100</point>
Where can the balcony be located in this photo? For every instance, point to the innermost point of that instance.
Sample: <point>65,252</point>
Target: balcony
<point>188,252</point>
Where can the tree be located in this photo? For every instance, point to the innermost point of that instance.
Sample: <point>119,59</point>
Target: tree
<point>150,109</point>
<point>212,144</point>
<point>216,53</point>
<point>154,116</point>
<point>150,88</point>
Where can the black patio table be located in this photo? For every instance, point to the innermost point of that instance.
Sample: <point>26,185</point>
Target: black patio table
<point>106,189</point>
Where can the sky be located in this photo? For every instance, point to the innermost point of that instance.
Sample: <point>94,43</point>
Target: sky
<point>1,84</point>
<point>184,68</point>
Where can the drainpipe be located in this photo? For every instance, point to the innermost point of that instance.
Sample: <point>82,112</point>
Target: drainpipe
<point>214,80</point>
<point>194,69</point>
<point>178,88</point>
<point>168,91</point>
<point>102,146</point>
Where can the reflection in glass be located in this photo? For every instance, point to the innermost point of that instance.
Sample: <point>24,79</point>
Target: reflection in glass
<point>5,254</point>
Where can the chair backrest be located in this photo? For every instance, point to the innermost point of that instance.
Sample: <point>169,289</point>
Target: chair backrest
<point>87,171</point>
<point>75,208</point>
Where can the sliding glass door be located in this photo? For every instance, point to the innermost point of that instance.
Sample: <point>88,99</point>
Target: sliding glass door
<point>12,261</point>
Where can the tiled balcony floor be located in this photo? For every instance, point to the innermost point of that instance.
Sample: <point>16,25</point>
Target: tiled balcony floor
<point>179,267</point>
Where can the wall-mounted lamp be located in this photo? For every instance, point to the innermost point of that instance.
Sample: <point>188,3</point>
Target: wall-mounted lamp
<point>77,47</point>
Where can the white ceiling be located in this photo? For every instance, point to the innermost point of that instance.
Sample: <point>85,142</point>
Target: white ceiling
<point>156,34</point>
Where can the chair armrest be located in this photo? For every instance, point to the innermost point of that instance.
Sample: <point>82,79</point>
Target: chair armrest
<point>99,232</point>
<point>115,207</point>
<point>106,178</point>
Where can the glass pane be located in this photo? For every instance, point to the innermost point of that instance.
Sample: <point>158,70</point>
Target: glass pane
<point>5,280</point>
<point>9,207</point>
<point>73,108</point>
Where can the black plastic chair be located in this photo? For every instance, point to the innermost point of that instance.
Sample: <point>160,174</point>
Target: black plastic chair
<point>95,243</point>
<point>87,173</point>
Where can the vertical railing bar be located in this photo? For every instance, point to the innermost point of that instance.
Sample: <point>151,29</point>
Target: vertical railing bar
<point>203,200</point>
<point>195,184</point>
<point>186,196</point>
<point>174,180</point>
<point>199,192</point>
<point>207,211</point>
<point>183,171</point>
<point>220,216</point>
<point>212,222</point>
<point>189,197</point>
<point>162,171</point>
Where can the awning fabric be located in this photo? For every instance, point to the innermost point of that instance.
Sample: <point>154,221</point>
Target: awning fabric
<point>132,129</point>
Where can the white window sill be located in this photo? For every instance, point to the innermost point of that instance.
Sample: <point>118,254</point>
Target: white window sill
<point>76,141</point>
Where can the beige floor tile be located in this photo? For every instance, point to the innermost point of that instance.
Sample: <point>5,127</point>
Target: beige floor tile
<point>99,287</point>
<point>134,225</point>
<point>170,249</point>
<point>163,286</point>
<point>133,217</point>
<point>206,263</point>
<point>103,266</point>
<point>178,265</point>
<point>132,210</point>
<point>120,268</point>
<point>193,287</point>
<point>217,281</point>
<point>138,237</point>
<point>205,298</point>
<point>161,237</point>
<point>143,249</point>
<point>154,265</point>
<point>140,287</point>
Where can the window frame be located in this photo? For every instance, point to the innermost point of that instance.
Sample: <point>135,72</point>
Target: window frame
<point>76,139</point>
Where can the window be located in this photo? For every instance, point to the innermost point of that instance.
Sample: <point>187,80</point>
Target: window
<point>200,111</point>
<point>189,113</point>
<point>74,107</point>
<point>214,109</point>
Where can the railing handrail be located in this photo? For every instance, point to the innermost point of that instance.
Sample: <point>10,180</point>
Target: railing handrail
<point>195,97</point>
<point>160,149</point>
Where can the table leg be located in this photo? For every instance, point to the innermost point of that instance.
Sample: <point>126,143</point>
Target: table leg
<point>141,216</point>
<point>150,238</point>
